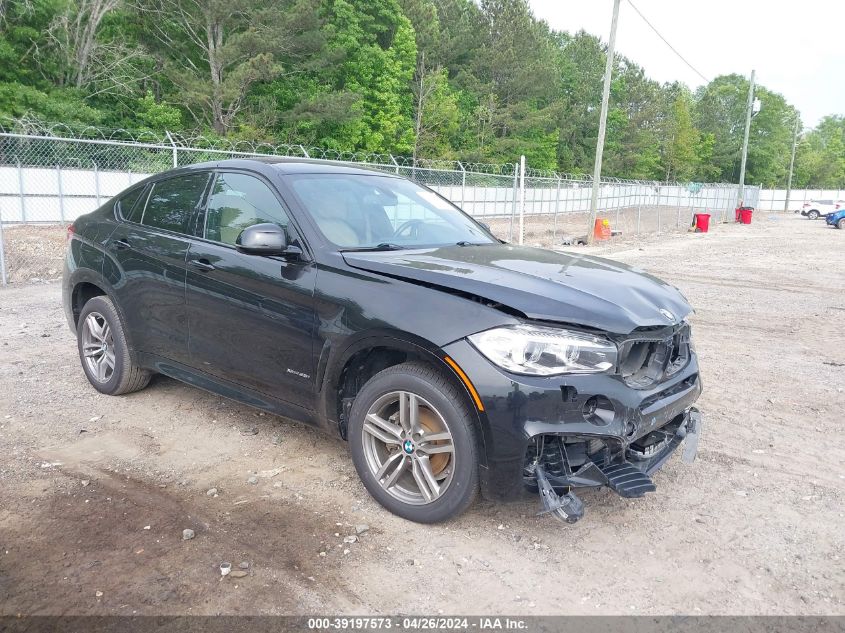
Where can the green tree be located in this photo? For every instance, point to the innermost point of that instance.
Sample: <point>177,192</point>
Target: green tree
<point>820,160</point>
<point>213,54</point>
<point>373,43</point>
<point>682,142</point>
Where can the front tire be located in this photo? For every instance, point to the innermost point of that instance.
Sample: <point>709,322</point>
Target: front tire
<point>841,224</point>
<point>813,215</point>
<point>104,352</point>
<point>414,443</point>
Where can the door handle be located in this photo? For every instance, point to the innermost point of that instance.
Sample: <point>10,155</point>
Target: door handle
<point>121,244</point>
<point>202,264</point>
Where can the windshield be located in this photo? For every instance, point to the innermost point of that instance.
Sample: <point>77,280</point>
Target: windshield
<point>373,212</point>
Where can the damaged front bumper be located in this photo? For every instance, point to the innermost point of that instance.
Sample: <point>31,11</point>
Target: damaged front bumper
<point>578,431</point>
<point>629,477</point>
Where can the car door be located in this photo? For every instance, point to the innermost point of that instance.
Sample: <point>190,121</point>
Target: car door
<point>251,318</point>
<point>148,251</point>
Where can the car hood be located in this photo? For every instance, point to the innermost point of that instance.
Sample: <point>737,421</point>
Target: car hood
<point>541,284</point>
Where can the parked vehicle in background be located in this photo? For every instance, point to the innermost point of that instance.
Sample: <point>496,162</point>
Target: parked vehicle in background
<point>374,309</point>
<point>837,219</point>
<point>815,209</point>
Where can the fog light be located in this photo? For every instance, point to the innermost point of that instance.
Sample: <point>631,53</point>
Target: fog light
<point>598,410</point>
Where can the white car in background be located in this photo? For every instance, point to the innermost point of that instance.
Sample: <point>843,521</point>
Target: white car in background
<point>815,209</point>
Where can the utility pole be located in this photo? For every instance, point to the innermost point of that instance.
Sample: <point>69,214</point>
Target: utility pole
<point>791,166</point>
<point>749,107</point>
<point>594,201</point>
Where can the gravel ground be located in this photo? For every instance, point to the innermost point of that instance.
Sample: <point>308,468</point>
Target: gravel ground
<point>95,491</point>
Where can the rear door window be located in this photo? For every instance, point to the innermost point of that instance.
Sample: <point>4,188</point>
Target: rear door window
<point>173,201</point>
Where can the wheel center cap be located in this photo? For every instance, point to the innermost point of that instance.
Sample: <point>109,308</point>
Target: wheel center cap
<point>408,446</point>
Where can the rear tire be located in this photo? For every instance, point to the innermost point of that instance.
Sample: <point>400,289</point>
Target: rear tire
<point>414,443</point>
<point>813,215</point>
<point>104,352</point>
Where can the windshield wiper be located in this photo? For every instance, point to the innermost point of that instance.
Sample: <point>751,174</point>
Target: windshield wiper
<point>384,246</point>
<point>466,243</point>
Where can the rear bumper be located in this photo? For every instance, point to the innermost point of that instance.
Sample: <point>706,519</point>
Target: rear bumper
<point>519,410</point>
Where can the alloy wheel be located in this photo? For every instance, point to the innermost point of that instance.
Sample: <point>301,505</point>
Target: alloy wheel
<point>408,447</point>
<point>98,347</point>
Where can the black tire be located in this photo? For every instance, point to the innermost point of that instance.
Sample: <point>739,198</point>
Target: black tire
<point>125,377</point>
<point>813,214</point>
<point>841,224</point>
<point>431,385</point>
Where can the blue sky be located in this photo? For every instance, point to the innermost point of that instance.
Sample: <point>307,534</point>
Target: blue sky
<point>797,48</point>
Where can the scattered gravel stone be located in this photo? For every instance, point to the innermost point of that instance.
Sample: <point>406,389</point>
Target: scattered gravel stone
<point>211,492</point>
<point>361,528</point>
<point>252,480</point>
<point>98,593</point>
<point>350,539</point>
<point>243,565</point>
<point>187,534</point>
<point>250,430</point>
<point>85,482</point>
<point>238,573</point>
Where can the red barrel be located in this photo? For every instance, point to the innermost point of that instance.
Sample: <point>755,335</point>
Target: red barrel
<point>702,222</point>
<point>745,215</point>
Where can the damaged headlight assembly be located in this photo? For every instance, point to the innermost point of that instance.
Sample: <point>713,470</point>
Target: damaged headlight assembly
<point>535,350</point>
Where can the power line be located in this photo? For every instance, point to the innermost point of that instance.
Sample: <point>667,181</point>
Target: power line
<point>665,41</point>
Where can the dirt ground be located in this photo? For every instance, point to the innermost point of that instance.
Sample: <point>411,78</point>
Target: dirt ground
<point>95,491</point>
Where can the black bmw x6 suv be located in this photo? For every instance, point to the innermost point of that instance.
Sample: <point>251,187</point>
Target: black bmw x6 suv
<point>373,308</point>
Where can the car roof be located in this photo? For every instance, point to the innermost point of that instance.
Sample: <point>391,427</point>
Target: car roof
<point>288,165</point>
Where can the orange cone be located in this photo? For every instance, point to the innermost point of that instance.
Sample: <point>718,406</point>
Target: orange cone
<point>601,230</point>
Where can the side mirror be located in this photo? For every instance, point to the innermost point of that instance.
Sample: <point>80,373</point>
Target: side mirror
<point>263,239</point>
<point>485,226</point>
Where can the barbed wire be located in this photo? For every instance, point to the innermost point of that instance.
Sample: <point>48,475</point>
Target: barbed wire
<point>31,127</point>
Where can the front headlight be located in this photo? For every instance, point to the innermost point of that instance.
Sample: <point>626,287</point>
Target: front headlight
<point>545,351</point>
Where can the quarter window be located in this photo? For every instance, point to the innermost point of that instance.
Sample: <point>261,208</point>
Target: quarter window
<point>172,202</point>
<point>238,201</point>
<point>127,205</point>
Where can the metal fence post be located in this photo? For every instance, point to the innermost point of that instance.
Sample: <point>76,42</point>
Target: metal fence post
<point>513,206</point>
<point>97,182</point>
<point>3,278</point>
<point>393,160</point>
<point>658,208</point>
<point>557,207</point>
<point>175,154</point>
<point>521,199</point>
<point>20,189</point>
<point>463,183</point>
<point>61,194</point>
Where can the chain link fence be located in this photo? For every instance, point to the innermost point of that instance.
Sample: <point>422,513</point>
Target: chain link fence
<point>51,176</point>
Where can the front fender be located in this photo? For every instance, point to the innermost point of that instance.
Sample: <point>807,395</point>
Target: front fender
<point>333,361</point>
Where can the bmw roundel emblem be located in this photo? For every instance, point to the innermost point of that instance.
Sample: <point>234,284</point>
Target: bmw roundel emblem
<point>668,315</point>
<point>408,446</point>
